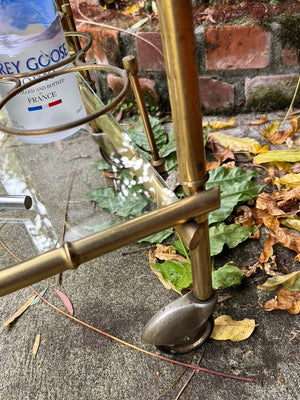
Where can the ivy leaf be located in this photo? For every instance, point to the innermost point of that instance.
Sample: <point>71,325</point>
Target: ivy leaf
<point>177,273</point>
<point>226,276</point>
<point>231,235</point>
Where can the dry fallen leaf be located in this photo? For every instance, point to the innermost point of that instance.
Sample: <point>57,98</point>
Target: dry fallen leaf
<point>236,144</point>
<point>277,155</point>
<point>226,328</point>
<point>289,181</point>
<point>291,223</point>
<point>20,311</point>
<point>262,120</point>
<point>290,281</point>
<point>217,125</point>
<point>165,253</point>
<point>66,302</point>
<point>36,345</point>
<point>284,300</point>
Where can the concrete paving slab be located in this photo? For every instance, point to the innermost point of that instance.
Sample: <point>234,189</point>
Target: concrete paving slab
<point>117,294</point>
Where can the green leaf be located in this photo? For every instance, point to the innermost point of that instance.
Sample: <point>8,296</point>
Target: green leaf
<point>168,147</point>
<point>226,276</point>
<point>180,247</point>
<point>171,162</point>
<point>158,237</point>
<point>290,281</point>
<point>224,177</point>
<point>118,203</point>
<point>231,235</point>
<point>233,195</point>
<point>179,274</point>
<point>138,136</point>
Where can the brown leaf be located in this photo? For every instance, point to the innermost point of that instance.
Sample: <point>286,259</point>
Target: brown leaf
<point>289,240</point>
<point>151,258</point>
<point>274,136</point>
<point>270,267</point>
<point>295,169</point>
<point>220,152</point>
<point>284,300</point>
<point>251,269</point>
<point>165,253</point>
<point>262,120</point>
<point>36,345</point>
<point>20,311</point>
<point>266,202</point>
<point>212,165</point>
<point>267,251</point>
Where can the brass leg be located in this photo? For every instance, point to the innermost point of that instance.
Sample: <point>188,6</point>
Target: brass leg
<point>176,25</point>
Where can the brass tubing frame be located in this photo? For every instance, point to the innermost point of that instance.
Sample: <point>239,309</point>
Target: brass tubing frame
<point>78,68</point>
<point>69,25</point>
<point>70,255</point>
<point>176,26</point>
<point>130,65</point>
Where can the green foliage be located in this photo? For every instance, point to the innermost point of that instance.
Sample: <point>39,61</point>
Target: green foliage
<point>226,276</point>
<point>236,188</point>
<point>129,201</point>
<point>231,235</point>
<point>177,273</point>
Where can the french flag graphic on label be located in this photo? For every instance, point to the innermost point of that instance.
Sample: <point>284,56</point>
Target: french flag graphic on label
<point>44,106</point>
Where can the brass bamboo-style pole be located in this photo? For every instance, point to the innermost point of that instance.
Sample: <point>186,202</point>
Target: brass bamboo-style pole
<point>71,255</point>
<point>130,65</point>
<point>176,26</point>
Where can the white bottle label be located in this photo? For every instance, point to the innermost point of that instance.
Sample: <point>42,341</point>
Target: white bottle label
<point>49,103</point>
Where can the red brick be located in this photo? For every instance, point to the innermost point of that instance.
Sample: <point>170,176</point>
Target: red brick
<point>149,59</point>
<point>105,45</point>
<point>215,94</point>
<point>237,47</point>
<point>147,86</point>
<point>273,91</point>
<point>289,56</point>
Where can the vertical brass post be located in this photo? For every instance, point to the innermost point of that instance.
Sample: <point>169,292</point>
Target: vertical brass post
<point>176,25</point>
<point>69,25</point>
<point>129,63</point>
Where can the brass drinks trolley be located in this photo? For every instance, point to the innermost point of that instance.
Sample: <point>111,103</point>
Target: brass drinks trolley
<point>185,323</point>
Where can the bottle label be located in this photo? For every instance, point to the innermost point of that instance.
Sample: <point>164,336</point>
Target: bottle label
<point>52,102</point>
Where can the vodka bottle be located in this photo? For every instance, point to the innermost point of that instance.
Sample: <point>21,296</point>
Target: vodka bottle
<point>31,38</point>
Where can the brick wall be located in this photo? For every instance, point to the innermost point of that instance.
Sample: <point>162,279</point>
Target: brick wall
<point>244,67</point>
